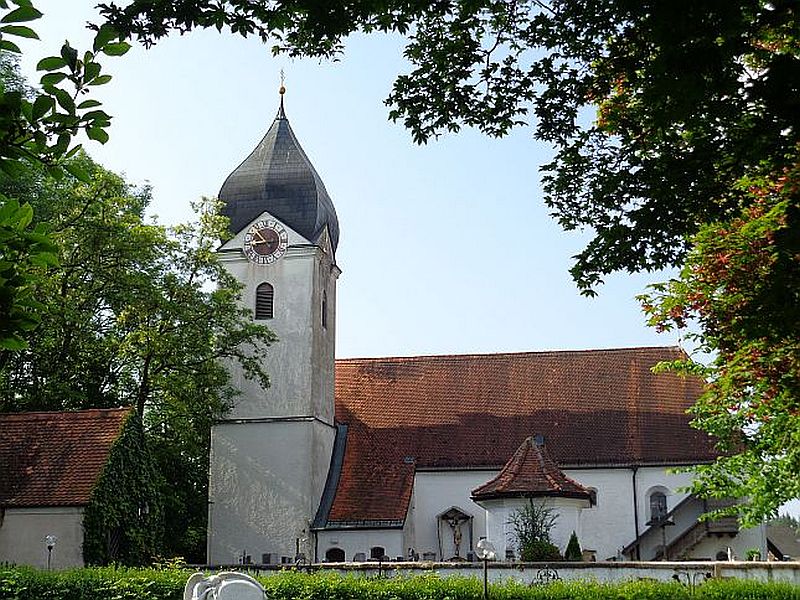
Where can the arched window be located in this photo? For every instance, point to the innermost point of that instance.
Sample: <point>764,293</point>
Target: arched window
<point>334,555</point>
<point>658,506</point>
<point>325,308</point>
<point>264,301</point>
<point>377,552</point>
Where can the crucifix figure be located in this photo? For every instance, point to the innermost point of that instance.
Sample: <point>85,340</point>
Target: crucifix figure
<point>455,524</point>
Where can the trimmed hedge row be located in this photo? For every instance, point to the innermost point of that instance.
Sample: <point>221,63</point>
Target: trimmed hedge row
<point>147,584</point>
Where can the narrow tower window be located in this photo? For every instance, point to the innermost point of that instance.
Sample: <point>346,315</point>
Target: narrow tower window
<point>325,308</point>
<point>264,301</point>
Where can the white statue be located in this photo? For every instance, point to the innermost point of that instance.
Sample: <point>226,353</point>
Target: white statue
<point>223,586</point>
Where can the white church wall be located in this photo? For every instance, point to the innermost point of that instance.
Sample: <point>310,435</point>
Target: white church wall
<point>609,526</point>
<point>434,493</point>
<point>261,491</point>
<point>652,478</point>
<point>605,528</point>
<point>355,541</point>
<point>22,533</point>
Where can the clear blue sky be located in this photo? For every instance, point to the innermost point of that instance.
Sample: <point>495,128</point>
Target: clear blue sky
<point>445,248</point>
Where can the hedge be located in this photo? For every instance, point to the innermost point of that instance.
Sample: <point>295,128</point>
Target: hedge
<point>149,584</point>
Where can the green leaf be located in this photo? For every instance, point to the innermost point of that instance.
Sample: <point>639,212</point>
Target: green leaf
<point>70,55</point>
<point>55,172</point>
<point>52,78</point>
<point>101,80</point>
<point>97,115</point>
<point>24,216</point>
<point>13,343</point>
<point>65,100</point>
<point>77,172</point>
<point>44,259</point>
<point>98,134</point>
<point>117,49</point>
<point>89,104</point>
<point>73,151</point>
<point>19,31</point>
<point>26,108</point>
<point>51,63</point>
<point>90,71</point>
<point>62,143</point>
<point>12,168</point>
<point>23,13</point>
<point>105,34</point>
<point>41,106</point>
<point>9,46</point>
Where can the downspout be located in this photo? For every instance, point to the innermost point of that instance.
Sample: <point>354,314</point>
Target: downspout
<point>635,512</point>
<point>316,545</point>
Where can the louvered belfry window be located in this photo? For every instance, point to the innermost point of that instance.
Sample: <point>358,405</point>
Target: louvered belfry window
<point>265,295</point>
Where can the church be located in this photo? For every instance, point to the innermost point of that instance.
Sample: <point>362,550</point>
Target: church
<point>418,458</point>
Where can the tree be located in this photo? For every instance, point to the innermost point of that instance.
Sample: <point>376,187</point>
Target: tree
<point>741,286</point>
<point>38,127</point>
<point>26,252</point>
<point>135,314</point>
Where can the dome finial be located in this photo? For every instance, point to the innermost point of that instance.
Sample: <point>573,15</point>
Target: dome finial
<point>282,91</point>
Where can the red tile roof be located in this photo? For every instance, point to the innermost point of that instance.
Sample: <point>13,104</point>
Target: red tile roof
<point>595,407</point>
<point>530,473</point>
<point>55,458</point>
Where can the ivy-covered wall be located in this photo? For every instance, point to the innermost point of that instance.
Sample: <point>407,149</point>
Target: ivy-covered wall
<point>123,523</point>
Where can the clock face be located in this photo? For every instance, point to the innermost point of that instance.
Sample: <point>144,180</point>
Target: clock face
<point>265,242</point>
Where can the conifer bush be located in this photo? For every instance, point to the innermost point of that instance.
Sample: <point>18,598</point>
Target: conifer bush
<point>573,551</point>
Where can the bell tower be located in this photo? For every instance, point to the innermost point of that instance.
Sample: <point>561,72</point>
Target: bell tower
<point>270,454</point>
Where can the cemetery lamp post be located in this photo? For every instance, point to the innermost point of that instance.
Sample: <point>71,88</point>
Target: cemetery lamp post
<point>486,552</point>
<point>50,543</point>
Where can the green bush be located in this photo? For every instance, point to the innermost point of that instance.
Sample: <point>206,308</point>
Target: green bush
<point>573,551</point>
<point>540,551</point>
<point>149,584</point>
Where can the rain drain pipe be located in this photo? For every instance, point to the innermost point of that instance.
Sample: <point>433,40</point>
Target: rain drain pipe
<point>635,512</point>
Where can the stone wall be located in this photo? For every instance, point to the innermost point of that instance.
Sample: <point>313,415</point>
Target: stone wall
<point>688,573</point>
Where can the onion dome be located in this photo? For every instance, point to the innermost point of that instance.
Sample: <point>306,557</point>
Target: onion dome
<point>531,473</point>
<point>278,178</point>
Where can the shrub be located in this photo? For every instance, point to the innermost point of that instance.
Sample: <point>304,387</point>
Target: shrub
<point>573,551</point>
<point>540,550</point>
<point>532,525</point>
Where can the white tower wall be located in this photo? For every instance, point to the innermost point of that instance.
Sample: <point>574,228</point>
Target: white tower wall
<point>270,455</point>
